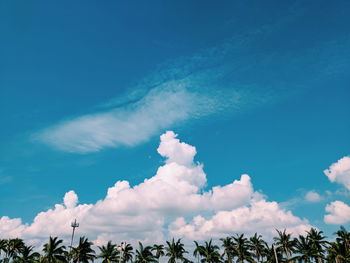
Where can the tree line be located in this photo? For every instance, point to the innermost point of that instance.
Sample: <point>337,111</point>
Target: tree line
<point>312,247</point>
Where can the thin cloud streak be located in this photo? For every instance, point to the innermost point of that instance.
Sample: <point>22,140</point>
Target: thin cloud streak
<point>180,90</point>
<point>134,123</point>
<point>216,80</point>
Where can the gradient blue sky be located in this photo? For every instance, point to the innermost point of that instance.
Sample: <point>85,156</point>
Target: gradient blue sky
<point>265,85</point>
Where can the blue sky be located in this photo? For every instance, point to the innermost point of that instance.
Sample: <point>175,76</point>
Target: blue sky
<point>257,88</point>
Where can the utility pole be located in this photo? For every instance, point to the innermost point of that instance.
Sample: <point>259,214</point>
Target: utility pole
<point>74,225</point>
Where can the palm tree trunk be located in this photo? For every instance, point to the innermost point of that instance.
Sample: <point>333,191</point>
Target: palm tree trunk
<point>275,253</point>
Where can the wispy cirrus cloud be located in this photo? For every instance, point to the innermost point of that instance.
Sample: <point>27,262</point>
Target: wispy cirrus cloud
<point>179,90</point>
<point>186,89</point>
<point>230,77</point>
<point>136,122</point>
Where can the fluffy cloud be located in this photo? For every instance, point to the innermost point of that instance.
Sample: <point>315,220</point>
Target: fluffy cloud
<point>160,206</point>
<point>340,172</point>
<point>339,213</point>
<point>312,196</point>
<point>70,199</point>
<point>259,216</point>
<point>11,227</point>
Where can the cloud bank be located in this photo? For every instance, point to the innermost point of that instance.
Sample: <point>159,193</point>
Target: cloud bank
<point>339,172</point>
<point>171,203</point>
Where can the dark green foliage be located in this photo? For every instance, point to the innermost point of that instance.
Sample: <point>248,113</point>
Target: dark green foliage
<point>241,249</point>
<point>27,255</point>
<point>126,253</point>
<point>108,253</point>
<point>175,251</point>
<point>227,246</point>
<point>209,253</point>
<point>144,254</point>
<point>54,251</point>
<point>159,251</point>
<point>83,253</point>
<point>309,248</point>
<point>285,242</point>
<point>257,245</point>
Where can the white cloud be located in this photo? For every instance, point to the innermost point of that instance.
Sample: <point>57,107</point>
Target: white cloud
<point>185,89</point>
<point>259,216</point>
<point>144,211</point>
<point>313,197</point>
<point>128,125</point>
<point>11,228</point>
<point>339,213</point>
<point>70,199</point>
<point>174,150</point>
<point>132,123</point>
<point>339,172</point>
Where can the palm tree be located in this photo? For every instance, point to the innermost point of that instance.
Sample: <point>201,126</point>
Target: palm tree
<point>337,253</point>
<point>108,253</point>
<point>208,252</point>
<point>3,243</point>
<point>271,253</point>
<point>317,243</point>
<point>196,251</point>
<point>83,252</point>
<point>257,245</point>
<point>126,253</point>
<point>144,254</point>
<point>304,250</point>
<point>27,255</point>
<point>285,241</point>
<point>54,251</point>
<point>159,249</point>
<point>241,249</point>
<point>175,250</point>
<point>343,237</point>
<point>228,248</point>
<point>12,248</point>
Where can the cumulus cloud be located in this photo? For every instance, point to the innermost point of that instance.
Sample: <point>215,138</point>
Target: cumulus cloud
<point>339,213</point>
<point>70,199</point>
<point>313,197</point>
<point>160,207</point>
<point>259,216</point>
<point>339,172</point>
<point>11,228</point>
